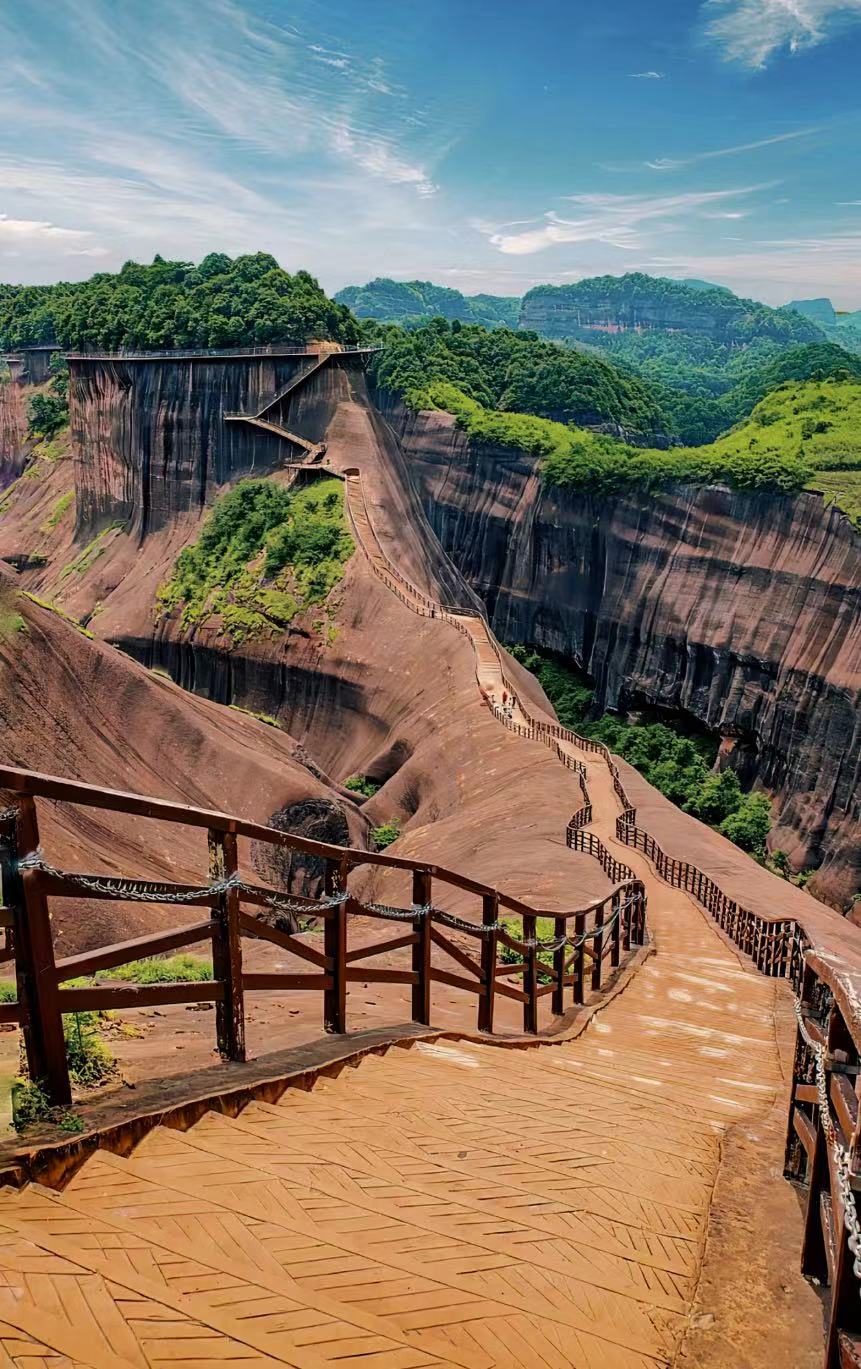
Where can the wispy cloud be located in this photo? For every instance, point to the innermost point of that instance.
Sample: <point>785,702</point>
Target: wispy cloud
<point>751,32</point>
<point>616,220</point>
<point>677,163</point>
<point>647,75</point>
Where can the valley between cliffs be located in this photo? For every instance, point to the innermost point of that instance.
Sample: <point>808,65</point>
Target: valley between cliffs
<point>739,611</point>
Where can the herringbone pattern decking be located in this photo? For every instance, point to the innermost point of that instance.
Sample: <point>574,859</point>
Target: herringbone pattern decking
<point>447,1203</point>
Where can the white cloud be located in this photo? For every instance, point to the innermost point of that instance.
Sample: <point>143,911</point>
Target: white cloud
<point>647,75</point>
<point>751,32</point>
<point>29,229</point>
<point>616,220</point>
<point>379,158</point>
<point>675,163</point>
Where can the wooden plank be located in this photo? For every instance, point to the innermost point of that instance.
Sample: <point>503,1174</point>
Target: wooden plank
<point>227,947</point>
<point>256,927</point>
<point>455,981</point>
<point>369,975</point>
<point>285,982</point>
<point>805,1131</point>
<point>455,952</point>
<point>506,991</point>
<point>826,1216</point>
<point>138,996</point>
<point>10,1012</point>
<point>381,947</point>
<point>122,952</point>
<point>845,1105</point>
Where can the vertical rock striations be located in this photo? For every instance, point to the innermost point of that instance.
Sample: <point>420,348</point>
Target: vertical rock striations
<point>740,609</point>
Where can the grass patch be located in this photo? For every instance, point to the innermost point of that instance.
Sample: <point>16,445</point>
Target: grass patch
<point>172,969</point>
<point>90,553</point>
<point>60,507</point>
<point>265,553</point>
<point>60,612</point>
<point>266,718</point>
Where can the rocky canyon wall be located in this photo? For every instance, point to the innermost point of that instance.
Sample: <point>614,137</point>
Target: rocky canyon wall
<point>741,610</point>
<point>152,440</point>
<point>13,428</point>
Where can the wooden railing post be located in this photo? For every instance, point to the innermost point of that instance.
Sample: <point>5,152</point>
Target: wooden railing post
<point>489,942</point>
<point>42,1021</point>
<point>616,934</point>
<point>628,913</point>
<point>560,927</point>
<point>598,949</point>
<point>422,898</point>
<point>335,950</point>
<point>227,948</point>
<point>530,975</point>
<point>580,960</point>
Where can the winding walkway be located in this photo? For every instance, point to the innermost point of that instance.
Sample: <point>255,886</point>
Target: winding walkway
<point>443,1204</point>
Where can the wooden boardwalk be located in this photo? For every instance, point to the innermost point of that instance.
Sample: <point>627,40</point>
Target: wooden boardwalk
<point>447,1203</point>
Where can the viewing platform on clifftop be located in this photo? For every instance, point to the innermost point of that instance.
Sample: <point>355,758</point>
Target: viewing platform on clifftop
<point>270,349</point>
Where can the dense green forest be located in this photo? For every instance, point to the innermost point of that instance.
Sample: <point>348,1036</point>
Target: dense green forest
<point>801,434</point>
<point>221,302</point>
<point>516,371</point>
<point>654,302</point>
<point>680,766</point>
<point>705,387</point>
<point>409,302</point>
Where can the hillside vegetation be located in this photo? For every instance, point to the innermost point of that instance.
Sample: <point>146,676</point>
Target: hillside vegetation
<point>655,303</point>
<point>678,765</point>
<point>221,302</point>
<point>802,434</point>
<point>408,302</point>
<point>516,372</point>
<point>265,553</point>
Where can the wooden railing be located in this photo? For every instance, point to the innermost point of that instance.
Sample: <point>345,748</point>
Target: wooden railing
<point>584,940</point>
<point>823,1145</point>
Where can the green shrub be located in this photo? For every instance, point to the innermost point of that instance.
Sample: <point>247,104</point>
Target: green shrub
<point>749,825</point>
<point>544,931</point>
<point>46,415</point>
<point>60,507</point>
<point>30,1106</point>
<point>8,991</point>
<point>264,553</point>
<point>386,833</point>
<point>89,1059</point>
<point>360,784</point>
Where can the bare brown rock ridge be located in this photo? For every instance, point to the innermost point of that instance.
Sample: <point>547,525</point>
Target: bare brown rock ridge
<point>739,609</point>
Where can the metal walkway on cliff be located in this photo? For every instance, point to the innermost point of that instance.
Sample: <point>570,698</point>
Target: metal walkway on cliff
<point>446,1201</point>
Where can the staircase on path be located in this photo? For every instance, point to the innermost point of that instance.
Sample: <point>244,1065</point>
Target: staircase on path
<point>445,1203</point>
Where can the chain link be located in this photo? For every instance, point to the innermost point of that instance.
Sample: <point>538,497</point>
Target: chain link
<point>841,1155</point>
<point>143,891</point>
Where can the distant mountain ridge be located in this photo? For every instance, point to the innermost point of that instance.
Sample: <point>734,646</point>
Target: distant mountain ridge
<point>639,303</point>
<point>391,301</point>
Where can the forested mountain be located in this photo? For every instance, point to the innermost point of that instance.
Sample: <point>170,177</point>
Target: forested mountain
<point>219,303</point>
<point>641,303</point>
<point>408,302</point>
<point>518,371</point>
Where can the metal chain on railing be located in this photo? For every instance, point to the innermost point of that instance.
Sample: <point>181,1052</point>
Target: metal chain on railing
<point>145,891</point>
<point>841,1156</point>
<point>385,910</point>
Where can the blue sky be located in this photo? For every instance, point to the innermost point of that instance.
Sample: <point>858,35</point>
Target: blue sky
<point>484,144</point>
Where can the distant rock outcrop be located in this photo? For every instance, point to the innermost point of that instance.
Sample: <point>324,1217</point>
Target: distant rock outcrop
<point>641,303</point>
<point>818,310</point>
<point>741,609</point>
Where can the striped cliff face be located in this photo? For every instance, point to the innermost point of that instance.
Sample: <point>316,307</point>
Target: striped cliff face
<point>739,609</point>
